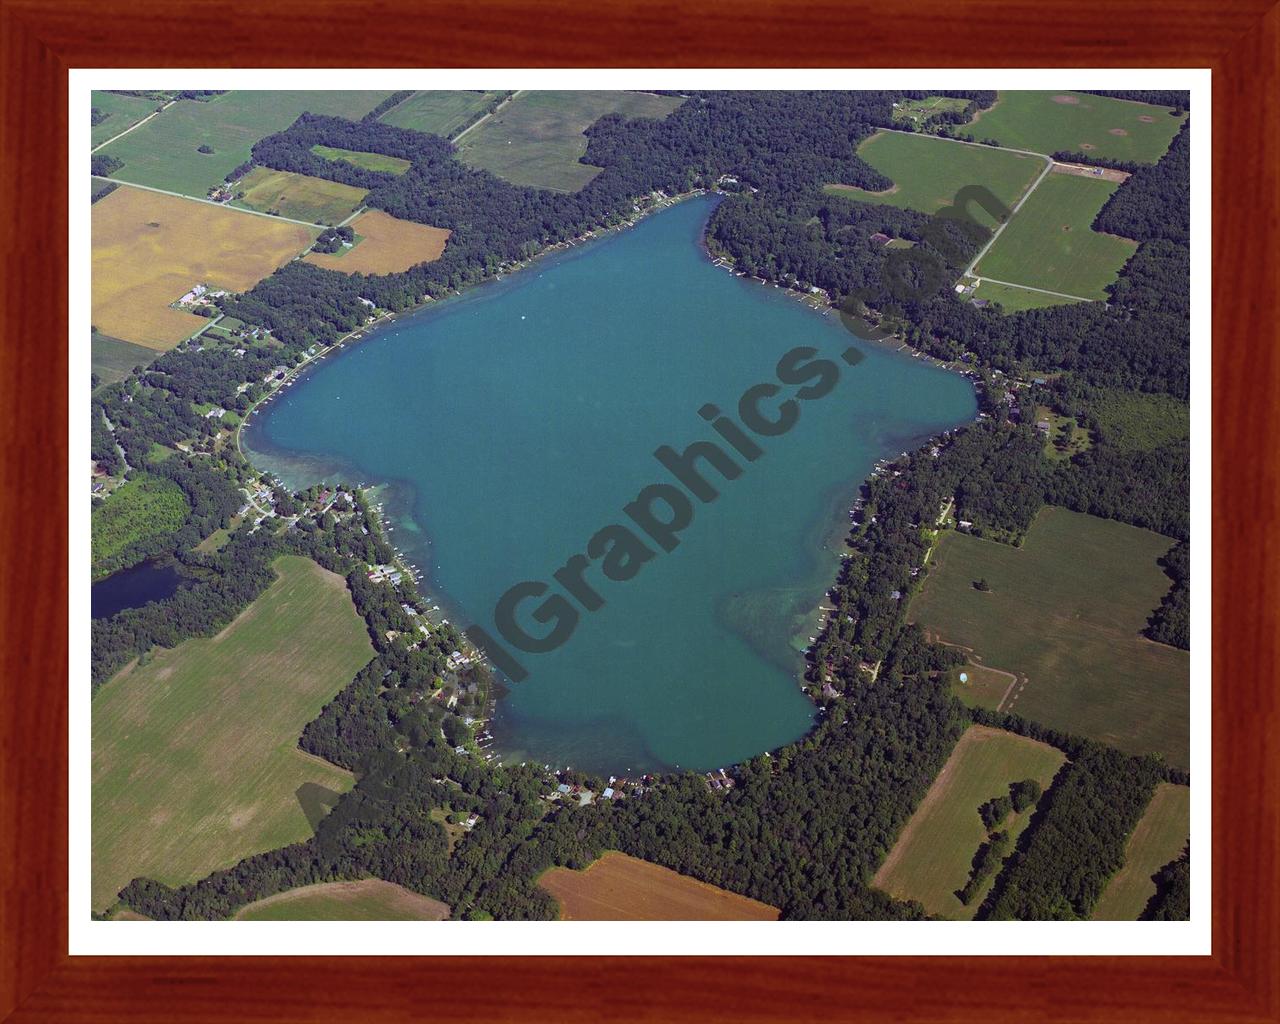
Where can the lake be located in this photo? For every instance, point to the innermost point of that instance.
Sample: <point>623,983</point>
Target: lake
<point>517,420</point>
<point>133,587</point>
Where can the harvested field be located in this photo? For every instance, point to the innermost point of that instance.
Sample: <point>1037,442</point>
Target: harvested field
<point>150,249</point>
<point>621,888</point>
<point>298,196</point>
<point>369,900</point>
<point>195,751</point>
<point>387,245</point>
<point>931,859</point>
<point>1160,837</point>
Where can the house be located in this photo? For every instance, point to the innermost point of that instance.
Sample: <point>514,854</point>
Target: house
<point>563,788</point>
<point>880,238</point>
<point>1042,426</point>
<point>216,413</point>
<point>608,793</point>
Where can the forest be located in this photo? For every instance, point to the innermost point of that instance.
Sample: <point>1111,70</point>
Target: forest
<point>805,826</point>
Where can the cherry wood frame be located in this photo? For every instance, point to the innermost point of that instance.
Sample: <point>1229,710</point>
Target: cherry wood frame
<point>41,39</point>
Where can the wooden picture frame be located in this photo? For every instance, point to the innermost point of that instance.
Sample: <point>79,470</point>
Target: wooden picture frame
<point>41,39</point>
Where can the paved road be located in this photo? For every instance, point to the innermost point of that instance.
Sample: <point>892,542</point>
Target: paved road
<point>197,199</point>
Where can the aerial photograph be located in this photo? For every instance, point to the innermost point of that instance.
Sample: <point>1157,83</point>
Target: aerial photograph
<point>674,505</point>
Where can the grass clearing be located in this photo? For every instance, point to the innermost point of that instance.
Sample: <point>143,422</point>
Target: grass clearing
<point>298,196</point>
<point>121,112</point>
<point>1065,614</point>
<point>1051,242</point>
<point>1160,836</point>
<point>927,172</point>
<point>618,887</point>
<point>1077,122</point>
<point>163,153</point>
<point>536,139</point>
<point>371,899</point>
<point>369,161</point>
<point>1015,300</point>
<point>439,111</point>
<point>387,245</point>
<point>150,249</point>
<point>140,509</point>
<point>932,857</point>
<point>1132,421</point>
<point>195,756</point>
<point>113,360</point>
<point>921,112</point>
<point>1065,437</point>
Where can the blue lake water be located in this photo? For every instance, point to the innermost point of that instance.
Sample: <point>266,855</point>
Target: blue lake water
<point>133,587</point>
<point>518,420</point>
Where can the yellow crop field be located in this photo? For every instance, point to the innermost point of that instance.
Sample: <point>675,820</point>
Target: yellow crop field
<point>149,249</point>
<point>386,245</point>
<point>621,888</point>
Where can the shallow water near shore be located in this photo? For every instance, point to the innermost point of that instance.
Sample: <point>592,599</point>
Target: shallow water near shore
<point>516,421</point>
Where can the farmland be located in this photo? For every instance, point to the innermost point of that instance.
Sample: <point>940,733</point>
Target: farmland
<point>150,249</point>
<point>140,509</point>
<point>537,139</point>
<point>621,888</point>
<point>369,900</point>
<point>385,245</point>
<point>298,196</point>
<point>1015,300</point>
<point>1051,242</point>
<point>931,859</point>
<point>369,161</point>
<point>927,173</point>
<point>1132,421</point>
<point>164,152</point>
<point>1158,838</point>
<point>195,759</point>
<point>1064,614</point>
<point>1077,122</point>
<point>439,111</point>
<point>121,111</point>
<point>112,359</point>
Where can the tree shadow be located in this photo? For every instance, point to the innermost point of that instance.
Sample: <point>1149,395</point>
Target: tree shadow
<point>316,801</point>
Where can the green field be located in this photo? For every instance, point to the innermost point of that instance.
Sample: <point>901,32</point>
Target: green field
<point>1077,122</point>
<point>195,756</point>
<point>932,857</point>
<point>298,196</point>
<point>1051,243</point>
<point>112,359</point>
<point>1066,438</point>
<point>1065,613</point>
<point>140,509</point>
<point>368,900</point>
<point>369,161</point>
<point>1015,300</point>
<point>1131,421</point>
<point>163,152</point>
<point>121,111</point>
<point>537,139</point>
<point>1159,837</point>
<point>439,111</point>
<point>927,172</point>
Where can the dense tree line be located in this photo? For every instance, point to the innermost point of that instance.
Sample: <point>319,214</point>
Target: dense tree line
<point>1172,899</point>
<point>1155,202</point>
<point>394,99</point>
<point>1178,99</point>
<point>1171,622</point>
<point>103,164</point>
<point>1076,838</point>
